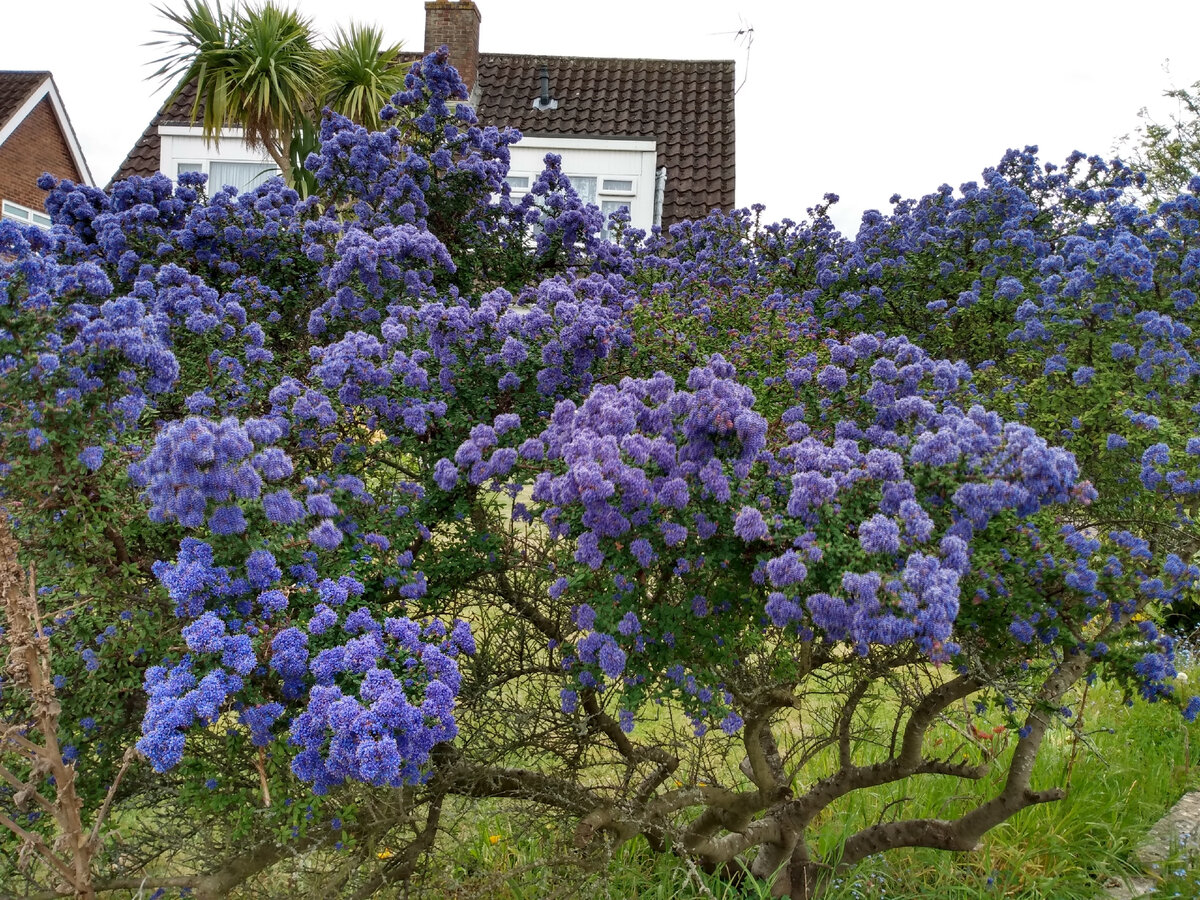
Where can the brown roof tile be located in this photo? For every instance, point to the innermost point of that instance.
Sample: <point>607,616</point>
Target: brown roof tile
<point>686,106</point>
<point>15,88</point>
<point>146,156</point>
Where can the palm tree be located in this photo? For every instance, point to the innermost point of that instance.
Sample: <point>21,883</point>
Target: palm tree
<point>260,68</point>
<point>360,73</point>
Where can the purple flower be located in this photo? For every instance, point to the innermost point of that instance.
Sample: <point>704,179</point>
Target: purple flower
<point>445,474</point>
<point>673,534</point>
<point>642,552</point>
<point>629,624</point>
<point>584,617</point>
<point>786,570</point>
<point>750,525</point>
<point>261,569</point>
<point>673,494</point>
<point>1121,350</point>
<point>272,602</point>
<point>274,464</point>
<point>227,520</point>
<point>506,422</point>
<point>611,659</point>
<point>1192,709</point>
<point>92,457</point>
<point>832,378</point>
<point>1008,288</point>
<point>282,508</point>
<point>879,534</point>
<point>206,634</point>
<point>326,535</point>
<point>587,550</point>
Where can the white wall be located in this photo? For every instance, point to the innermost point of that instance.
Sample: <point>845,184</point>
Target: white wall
<point>183,144</point>
<point>611,159</point>
<point>630,159</point>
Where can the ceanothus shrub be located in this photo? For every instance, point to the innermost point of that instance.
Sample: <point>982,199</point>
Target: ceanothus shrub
<point>406,490</point>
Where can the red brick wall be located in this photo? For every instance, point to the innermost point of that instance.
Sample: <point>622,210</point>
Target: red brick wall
<point>36,146</point>
<point>455,23</point>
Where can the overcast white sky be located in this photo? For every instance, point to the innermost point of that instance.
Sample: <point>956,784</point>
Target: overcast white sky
<point>863,98</point>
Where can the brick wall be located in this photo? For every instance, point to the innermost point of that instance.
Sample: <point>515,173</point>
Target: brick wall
<point>455,23</point>
<point>36,146</point>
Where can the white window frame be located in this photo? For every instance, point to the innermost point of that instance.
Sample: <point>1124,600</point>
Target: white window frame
<point>23,214</point>
<point>203,166</point>
<point>626,202</point>
<point>515,191</point>
<point>184,145</point>
<point>617,192</point>
<point>619,160</point>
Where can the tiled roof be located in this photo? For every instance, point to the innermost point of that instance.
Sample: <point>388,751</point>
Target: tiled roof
<point>146,156</point>
<point>686,106</point>
<point>15,88</point>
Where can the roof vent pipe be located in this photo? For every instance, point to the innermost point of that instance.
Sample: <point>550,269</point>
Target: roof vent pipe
<point>660,193</point>
<point>543,101</point>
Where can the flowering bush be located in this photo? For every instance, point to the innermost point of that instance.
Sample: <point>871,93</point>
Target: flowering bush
<point>406,493</point>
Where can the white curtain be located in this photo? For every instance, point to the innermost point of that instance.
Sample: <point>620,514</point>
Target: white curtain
<point>243,176</point>
<point>585,187</point>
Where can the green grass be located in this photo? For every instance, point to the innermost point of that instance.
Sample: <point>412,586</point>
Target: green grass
<point>1125,776</point>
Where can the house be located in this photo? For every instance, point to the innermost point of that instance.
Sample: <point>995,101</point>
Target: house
<point>653,135</point>
<point>35,137</point>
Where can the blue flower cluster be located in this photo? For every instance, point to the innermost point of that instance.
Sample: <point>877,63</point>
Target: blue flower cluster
<point>715,436</point>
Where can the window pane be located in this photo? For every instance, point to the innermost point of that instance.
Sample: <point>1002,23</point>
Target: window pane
<point>12,211</point>
<point>19,213</point>
<point>243,176</point>
<point>188,167</point>
<point>518,182</point>
<point>608,207</point>
<point>624,186</point>
<point>585,187</point>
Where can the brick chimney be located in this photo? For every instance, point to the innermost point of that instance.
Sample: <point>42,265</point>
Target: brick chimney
<point>455,23</point>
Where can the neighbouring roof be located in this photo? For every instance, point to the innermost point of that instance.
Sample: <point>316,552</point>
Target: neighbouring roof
<point>15,89</point>
<point>20,93</point>
<point>686,106</point>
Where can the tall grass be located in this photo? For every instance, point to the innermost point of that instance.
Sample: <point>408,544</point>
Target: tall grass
<point>1124,769</point>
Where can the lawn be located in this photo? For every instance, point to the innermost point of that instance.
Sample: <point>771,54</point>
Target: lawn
<point>1125,765</point>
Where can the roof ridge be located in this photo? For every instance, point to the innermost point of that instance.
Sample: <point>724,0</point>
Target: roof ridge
<point>613,59</point>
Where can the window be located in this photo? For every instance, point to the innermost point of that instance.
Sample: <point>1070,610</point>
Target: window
<point>618,185</point>
<point>585,187</point>
<point>18,213</point>
<point>244,176</point>
<point>607,208</point>
<point>608,193</point>
<point>610,188</point>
